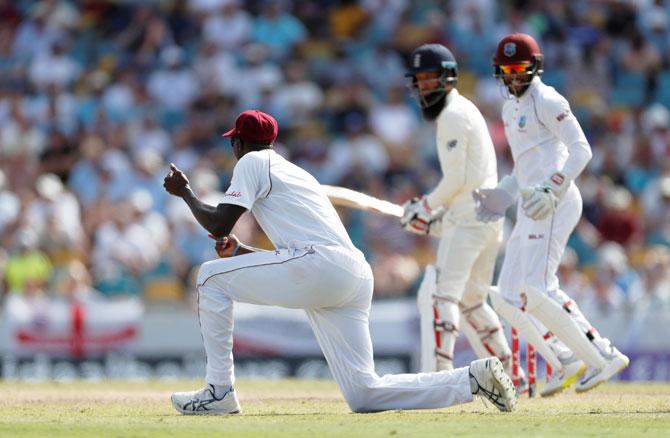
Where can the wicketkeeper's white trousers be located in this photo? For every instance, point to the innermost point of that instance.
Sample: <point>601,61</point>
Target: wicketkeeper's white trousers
<point>529,278</point>
<point>535,248</point>
<point>334,286</point>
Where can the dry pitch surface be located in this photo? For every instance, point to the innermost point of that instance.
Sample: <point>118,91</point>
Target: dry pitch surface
<point>314,408</point>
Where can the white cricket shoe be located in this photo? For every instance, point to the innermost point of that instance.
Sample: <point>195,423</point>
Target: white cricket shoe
<point>562,379</point>
<point>488,380</point>
<point>203,402</point>
<point>616,361</point>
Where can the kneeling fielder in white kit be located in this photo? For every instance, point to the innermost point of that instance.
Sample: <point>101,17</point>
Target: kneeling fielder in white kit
<point>550,150</point>
<point>452,295</point>
<point>316,268</point>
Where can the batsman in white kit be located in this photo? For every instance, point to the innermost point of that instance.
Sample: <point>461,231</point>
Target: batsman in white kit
<point>314,267</point>
<point>549,150</point>
<point>452,295</point>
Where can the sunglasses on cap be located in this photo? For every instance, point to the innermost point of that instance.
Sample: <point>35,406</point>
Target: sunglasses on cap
<point>509,69</point>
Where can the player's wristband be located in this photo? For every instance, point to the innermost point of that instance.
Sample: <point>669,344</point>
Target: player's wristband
<point>237,248</point>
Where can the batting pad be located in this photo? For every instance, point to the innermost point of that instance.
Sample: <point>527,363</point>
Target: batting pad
<point>424,301</point>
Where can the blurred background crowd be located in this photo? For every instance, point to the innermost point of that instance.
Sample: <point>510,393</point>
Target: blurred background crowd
<point>97,97</point>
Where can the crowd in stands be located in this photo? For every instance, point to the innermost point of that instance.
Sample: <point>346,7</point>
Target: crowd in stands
<point>97,97</point>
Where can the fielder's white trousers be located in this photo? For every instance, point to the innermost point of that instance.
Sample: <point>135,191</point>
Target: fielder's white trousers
<point>334,286</point>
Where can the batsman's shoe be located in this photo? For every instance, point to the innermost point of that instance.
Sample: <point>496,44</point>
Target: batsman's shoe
<point>488,380</point>
<point>203,402</point>
<point>616,361</point>
<point>562,379</point>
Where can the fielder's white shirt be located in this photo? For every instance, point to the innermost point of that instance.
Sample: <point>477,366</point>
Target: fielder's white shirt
<point>287,202</point>
<point>544,135</point>
<point>467,158</point>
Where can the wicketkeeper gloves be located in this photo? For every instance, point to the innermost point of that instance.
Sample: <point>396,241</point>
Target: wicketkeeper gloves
<point>540,201</point>
<point>491,204</point>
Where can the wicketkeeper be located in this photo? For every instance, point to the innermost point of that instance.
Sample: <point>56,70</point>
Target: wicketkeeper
<point>549,150</point>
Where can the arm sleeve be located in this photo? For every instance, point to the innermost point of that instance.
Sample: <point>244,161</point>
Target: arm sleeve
<point>250,181</point>
<point>556,115</point>
<point>453,145</point>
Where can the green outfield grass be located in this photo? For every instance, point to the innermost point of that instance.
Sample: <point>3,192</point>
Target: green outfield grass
<point>315,408</point>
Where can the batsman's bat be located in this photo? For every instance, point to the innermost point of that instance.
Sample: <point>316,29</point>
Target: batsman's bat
<point>350,198</point>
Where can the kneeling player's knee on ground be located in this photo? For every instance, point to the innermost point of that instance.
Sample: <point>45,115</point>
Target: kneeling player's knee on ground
<point>360,394</point>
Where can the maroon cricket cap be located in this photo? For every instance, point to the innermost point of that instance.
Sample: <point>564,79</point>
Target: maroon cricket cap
<point>255,127</point>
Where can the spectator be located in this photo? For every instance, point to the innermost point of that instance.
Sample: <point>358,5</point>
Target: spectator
<point>571,278</point>
<point>73,282</point>
<point>60,156</point>
<point>278,29</point>
<point>28,269</point>
<point>656,208</point>
<point>55,215</point>
<point>145,36</point>
<point>10,205</point>
<point>618,222</point>
<point>54,67</point>
<point>229,28</point>
<point>613,262</point>
<point>35,35</point>
<point>643,58</point>
<point>298,98</point>
<point>175,86</point>
<point>261,77</point>
<point>357,154</point>
<point>655,292</point>
<point>605,297</point>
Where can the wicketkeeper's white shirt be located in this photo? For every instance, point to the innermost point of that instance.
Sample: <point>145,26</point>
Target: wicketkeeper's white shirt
<point>544,135</point>
<point>287,202</point>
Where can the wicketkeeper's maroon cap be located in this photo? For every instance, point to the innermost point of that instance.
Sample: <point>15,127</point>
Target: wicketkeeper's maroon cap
<point>255,127</point>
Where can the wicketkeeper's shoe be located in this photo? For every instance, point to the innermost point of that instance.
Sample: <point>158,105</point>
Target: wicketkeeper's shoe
<point>562,379</point>
<point>616,361</point>
<point>488,380</point>
<point>203,402</point>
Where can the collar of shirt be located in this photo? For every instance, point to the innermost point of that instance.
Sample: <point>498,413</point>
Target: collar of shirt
<point>453,94</point>
<point>533,85</point>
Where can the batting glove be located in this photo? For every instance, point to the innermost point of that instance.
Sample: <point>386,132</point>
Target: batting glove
<point>418,216</point>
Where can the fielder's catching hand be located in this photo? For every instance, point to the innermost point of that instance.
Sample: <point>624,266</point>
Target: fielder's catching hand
<point>227,246</point>
<point>176,182</point>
